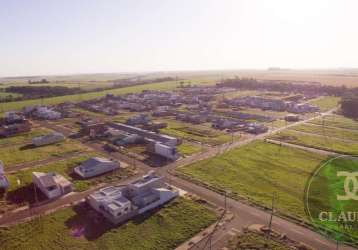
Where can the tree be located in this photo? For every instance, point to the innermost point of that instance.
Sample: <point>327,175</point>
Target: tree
<point>349,105</point>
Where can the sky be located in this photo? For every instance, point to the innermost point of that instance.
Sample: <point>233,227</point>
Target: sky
<point>42,37</point>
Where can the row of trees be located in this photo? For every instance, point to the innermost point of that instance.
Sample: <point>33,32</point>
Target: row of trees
<point>253,84</point>
<point>349,104</point>
<point>42,91</point>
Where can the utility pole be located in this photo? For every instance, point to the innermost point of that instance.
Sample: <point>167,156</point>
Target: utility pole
<point>272,212</point>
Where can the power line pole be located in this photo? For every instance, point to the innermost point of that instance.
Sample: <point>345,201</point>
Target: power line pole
<point>272,212</point>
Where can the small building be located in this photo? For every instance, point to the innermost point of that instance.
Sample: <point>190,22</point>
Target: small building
<point>4,183</point>
<point>256,129</point>
<point>95,166</point>
<point>166,151</point>
<point>111,203</point>
<point>141,119</point>
<point>93,130</point>
<point>51,184</point>
<point>12,117</point>
<point>48,139</point>
<point>14,129</point>
<point>292,118</point>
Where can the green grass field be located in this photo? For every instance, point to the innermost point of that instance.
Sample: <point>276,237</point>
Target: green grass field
<point>252,240</point>
<point>11,155</point>
<point>187,149</point>
<point>3,95</point>
<point>165,229</point>
<point>322,196</point>
<point>326,103</point>
<point>256,171</point>
<point>337,121</point>
<point>199,133</point>
<point>23,138</point>
<point>328,131</point>
<point>318,142</point>
<point>87,96</point>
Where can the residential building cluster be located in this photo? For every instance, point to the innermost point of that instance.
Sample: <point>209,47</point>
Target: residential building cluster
<point>14,123</point>
<point>42,112</point>
<point>272,104</point>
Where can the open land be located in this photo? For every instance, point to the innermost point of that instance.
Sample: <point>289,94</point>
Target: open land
<point>258,170</point>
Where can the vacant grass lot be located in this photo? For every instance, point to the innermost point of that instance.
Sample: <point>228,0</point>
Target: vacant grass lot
<point>11,155</point>
<point>255,241</point>
<point>337,121</point>
<point>257,170</point>
<point>319,142</point>
<point>23,138</point>
<point>164,229</point>
<point>187,149</point>
<point>199,133</point>
<point>21,189</point>
<point>326,103</point>
<point>328,131</point>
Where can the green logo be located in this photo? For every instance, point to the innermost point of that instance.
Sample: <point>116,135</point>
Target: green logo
<point>331,198</point>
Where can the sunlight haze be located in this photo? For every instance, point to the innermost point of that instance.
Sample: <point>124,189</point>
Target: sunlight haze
<point>63,37</point>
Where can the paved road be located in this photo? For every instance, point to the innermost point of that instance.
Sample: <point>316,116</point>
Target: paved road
<point>247,215</point>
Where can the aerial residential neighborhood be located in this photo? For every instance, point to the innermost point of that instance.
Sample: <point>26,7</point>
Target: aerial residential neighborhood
<point>187,125</point>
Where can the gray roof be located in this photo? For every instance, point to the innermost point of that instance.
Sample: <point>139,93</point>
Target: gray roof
<point>93,162</point>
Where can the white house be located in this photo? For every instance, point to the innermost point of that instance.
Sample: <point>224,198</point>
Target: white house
<point>95,166</point>
<point>163,150</point>
<point>118,204</point>
<point>111,203</point>
<point>4,183</point>
<point>51,184</point>
<point>48,139</point>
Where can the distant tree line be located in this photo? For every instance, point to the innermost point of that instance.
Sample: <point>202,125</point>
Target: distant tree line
<point>253,84</point>
<point>42,91</point>
<point>35,92</point>
<point>349,104</point>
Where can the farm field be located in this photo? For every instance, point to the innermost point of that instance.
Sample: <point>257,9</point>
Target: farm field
<point>318,142</point>
<point>11,155</point>
<point>87,96</point>
<point>327,131</point>
<point>337,121</point>
<point>256,171</point>
<point>321,193</point>
<point>326,103</point>
<point>166,228</point>
<point>3,95</point>
<point>200,133</point>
